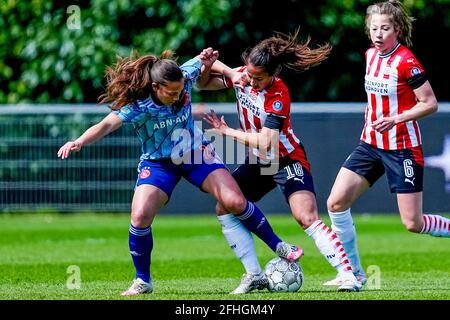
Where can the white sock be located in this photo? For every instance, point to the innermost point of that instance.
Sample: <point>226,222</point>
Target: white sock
<point>342,225</point>
<point>329,245</point>
<point>436,226</point>
<point>241,241</point>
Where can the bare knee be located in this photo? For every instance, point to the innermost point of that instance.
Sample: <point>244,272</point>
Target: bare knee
<point>139,219</point>
<point>306,218</point>
<point>304,208</point>
<point>410,208</point>
<point>220,210</point>
<point>412,225</point>
<point>337,205</point>
<point>233,202</point>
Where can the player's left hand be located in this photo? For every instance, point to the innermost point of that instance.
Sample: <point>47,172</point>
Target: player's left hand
<point>208,56</point>
<point>218,125</point>
<point>384,124</point>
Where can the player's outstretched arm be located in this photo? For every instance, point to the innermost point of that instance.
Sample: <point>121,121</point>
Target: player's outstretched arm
<point>110,123</point>
<point>238,78</point>
<point>207,57</point>
<point>262,140</point>
<point>216,77</point>
<point>215,82</point>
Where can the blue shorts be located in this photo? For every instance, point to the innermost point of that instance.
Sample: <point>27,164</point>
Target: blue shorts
<point>291,177</point>
<point>165,174</point>
<point>404,168</point>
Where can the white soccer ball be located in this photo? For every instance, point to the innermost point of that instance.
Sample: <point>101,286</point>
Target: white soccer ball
<point>283,276</point>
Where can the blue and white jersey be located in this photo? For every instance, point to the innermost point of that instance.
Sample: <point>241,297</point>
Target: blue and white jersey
<point>166,131</point>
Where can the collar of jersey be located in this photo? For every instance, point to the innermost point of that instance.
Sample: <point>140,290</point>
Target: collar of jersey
<point>390,52</point>
<point>154,102</point>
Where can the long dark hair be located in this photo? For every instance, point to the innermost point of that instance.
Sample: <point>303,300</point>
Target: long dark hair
<point>285,51</point>
<point>131,78</point>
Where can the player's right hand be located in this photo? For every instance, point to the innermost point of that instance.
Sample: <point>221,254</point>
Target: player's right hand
<point>208,56</point>
<point>240,80</point>
<point>65,150</point>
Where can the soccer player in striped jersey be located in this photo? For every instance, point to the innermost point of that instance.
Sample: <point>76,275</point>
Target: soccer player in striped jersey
<point>398,94</point>
<point>263,105</point>
<point>154,95</point>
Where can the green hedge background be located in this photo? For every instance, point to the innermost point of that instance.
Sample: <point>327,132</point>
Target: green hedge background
<point>56,51</point>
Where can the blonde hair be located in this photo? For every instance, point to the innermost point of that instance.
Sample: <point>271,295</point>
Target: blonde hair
<point>399,17</point>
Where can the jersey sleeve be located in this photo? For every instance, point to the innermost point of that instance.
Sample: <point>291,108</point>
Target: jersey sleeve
<point>227,82</point>
<point>412,71</point>
<point>128,113</point>
<point>191,71</point>
<point>278,103</point>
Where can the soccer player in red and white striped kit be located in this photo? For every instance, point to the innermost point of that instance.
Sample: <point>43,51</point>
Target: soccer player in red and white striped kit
<point>263,103</point>
<point>398,94</point>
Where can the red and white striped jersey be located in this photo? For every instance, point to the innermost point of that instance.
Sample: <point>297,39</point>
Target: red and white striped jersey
<point>253,107</point>
<point>388,94</point>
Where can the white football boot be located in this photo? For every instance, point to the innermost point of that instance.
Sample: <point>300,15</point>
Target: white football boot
<point>139,286</point>
<point>338,281</point>
<point>349,283</point>
<point>250,282</point>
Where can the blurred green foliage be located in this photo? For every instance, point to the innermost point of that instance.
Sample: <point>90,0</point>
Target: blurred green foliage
<point>57,51</point>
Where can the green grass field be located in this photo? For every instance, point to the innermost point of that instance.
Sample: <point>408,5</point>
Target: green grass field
<point>191,259</point>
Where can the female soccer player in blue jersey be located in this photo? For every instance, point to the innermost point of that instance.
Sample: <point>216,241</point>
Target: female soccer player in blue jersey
<point>154,94</point>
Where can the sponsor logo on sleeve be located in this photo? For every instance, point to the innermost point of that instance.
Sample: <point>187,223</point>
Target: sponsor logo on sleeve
<point>277,105</point>
<point>415,71</point>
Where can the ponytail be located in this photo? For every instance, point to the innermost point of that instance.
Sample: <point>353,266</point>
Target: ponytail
<point>131,78</point>
<point>286,51</point>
